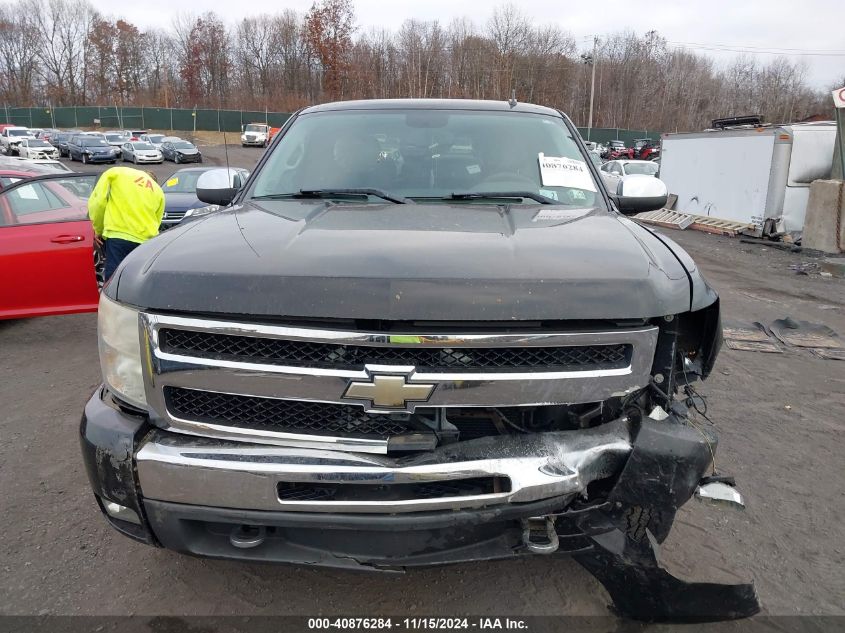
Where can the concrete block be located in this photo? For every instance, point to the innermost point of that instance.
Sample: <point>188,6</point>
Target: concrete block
<point>825,213</point>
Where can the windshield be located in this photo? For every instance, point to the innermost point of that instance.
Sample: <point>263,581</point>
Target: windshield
<point>143,146</point>
<point>430,154</point>
<point>38,143</point>
<point>19,132</point>
<point>94,142</point>
<point>645,168</point>
<point>114,138</point>
<point>182,182</point>
<point>183,145</point>
<point>254,128</point>
<point>155,138</point>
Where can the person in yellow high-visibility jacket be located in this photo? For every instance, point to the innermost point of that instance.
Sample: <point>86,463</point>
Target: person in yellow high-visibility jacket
<point>125,208</point>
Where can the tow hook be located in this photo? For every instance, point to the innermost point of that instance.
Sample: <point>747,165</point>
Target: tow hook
<point>247,536</point>
<point>539,535</point>
<point>719,490</point>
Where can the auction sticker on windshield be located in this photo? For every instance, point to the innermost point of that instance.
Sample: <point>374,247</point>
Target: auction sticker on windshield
<point>559,171</point>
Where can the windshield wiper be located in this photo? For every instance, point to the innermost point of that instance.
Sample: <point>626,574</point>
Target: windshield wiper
<point>332,193</point>
<point>501,194</point>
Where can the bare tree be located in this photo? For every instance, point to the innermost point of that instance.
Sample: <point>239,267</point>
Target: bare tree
<point>63,52</point>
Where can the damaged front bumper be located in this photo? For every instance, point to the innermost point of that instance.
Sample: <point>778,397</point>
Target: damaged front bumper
<point>606,495</point>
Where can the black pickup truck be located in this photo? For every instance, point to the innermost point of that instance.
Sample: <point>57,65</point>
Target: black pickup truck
<point>422,332</point>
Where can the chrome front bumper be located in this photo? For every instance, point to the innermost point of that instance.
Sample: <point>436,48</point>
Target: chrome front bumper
<point>221,474</point>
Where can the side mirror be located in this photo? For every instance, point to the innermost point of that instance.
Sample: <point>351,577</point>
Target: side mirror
<point>219,186</point>
<point>637,193</point>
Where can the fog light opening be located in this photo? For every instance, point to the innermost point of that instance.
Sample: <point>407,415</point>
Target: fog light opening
<point>121,513</point>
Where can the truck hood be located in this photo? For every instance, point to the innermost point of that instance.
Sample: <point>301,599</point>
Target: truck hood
<point>440,262</point>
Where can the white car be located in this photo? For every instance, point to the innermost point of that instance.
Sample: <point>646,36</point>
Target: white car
<point>613,171</point>
<point>11,137</point>
<point>116,139</point>
<point>37,148</point>
<point>153,139</point>
<point>140,152</point>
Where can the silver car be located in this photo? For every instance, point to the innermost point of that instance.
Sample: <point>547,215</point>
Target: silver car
<point>140,152</point>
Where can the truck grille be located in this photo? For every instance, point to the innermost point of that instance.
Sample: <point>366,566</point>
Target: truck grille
<point>290,416</point>
<point>288,385</point>
<point>425,359</point>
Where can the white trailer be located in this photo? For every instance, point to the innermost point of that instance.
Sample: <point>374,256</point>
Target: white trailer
<point>749,174</point>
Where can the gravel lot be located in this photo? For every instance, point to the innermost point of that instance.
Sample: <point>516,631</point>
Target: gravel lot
<point>782,424</point>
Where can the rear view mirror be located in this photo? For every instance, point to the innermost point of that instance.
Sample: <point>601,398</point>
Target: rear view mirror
<point>637,193</point>
<point>219,186</point>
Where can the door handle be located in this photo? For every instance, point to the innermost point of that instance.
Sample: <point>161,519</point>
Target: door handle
<point>67,239</point>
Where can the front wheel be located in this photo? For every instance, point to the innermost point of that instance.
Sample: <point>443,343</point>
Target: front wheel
<point>84,159</point>
<point>99,265</point>
<point>134,160</point>
<point>176,159</point>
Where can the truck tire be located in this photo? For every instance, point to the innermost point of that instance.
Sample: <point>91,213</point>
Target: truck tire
<point>637,519</point>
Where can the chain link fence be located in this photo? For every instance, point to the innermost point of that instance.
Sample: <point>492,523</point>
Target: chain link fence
<point>182,119</point>
<point>111,117</point>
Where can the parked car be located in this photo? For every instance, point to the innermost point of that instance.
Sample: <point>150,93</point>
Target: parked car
<point>115,139</point>
<point>36,148</point>
<point>89,149</point>
<point>141,152</point>
<point>612,172</point>
<point>14,168</point>
<point>181,152</point>
<point>10,138</point>
<point>11,175</point>
<point>62,139</point>
<point>49,165</point>
<point>134,135</point>
<point>48,134</point>
<point>154,139</point>
<point>379,364</point>
<point>49,263</point>
<point>180,193</point>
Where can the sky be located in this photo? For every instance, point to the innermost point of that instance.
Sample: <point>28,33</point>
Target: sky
<point>814,29</point>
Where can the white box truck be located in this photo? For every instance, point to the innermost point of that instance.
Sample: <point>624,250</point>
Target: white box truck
<point>748,174</point>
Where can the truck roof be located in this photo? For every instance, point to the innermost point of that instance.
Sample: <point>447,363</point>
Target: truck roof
<point>431,104</point>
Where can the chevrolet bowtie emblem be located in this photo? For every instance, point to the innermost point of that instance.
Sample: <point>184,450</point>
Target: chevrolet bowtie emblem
<point>388,391</point>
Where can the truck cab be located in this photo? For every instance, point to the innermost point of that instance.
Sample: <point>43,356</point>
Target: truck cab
<point>422,332</point>
<point>255,135</point>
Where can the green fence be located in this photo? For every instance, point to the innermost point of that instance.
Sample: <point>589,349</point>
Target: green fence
<point>112,117</point>
<point>605,134</point>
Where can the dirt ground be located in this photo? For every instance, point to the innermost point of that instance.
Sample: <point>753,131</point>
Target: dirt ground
<point>782,424</point>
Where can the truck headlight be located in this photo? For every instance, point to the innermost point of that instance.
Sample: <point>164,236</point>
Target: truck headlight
<point>120,351</point>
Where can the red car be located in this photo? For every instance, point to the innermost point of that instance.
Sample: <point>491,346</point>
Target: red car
<point>49,263</point>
